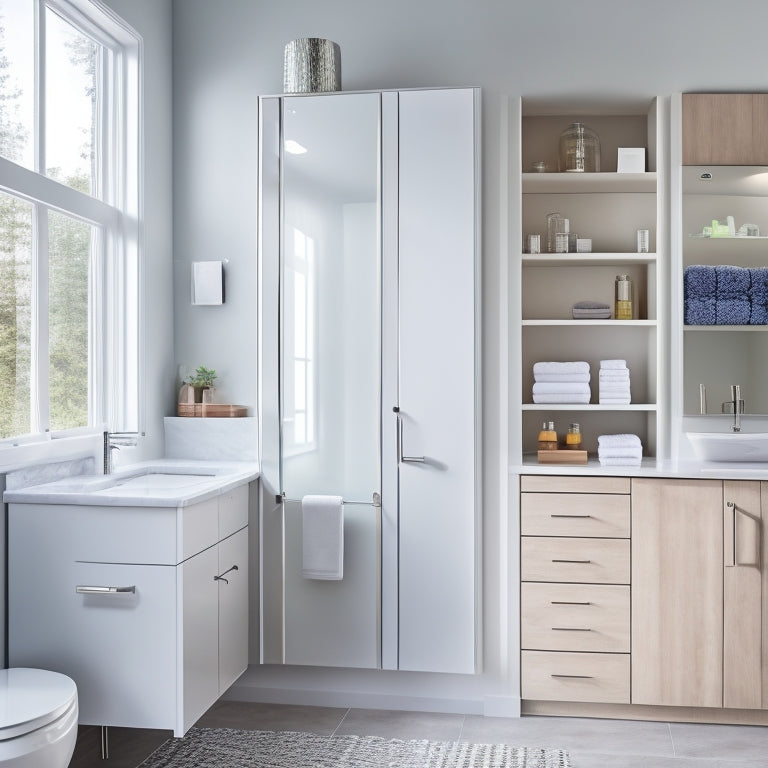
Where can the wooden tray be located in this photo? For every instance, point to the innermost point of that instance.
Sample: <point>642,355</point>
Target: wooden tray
<point>564,456</point>
<point>212,410</point>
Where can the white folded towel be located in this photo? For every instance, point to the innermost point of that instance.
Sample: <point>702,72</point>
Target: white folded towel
<point>561,388</point>
<point>555,397</point>
<point>615,392</point>
<point>571,377</point>
<point>322,537</point>
<point>621,440</point>
<point>617,461</point>
<point>608,375</point>
<point>625,400</point>
<point>620,453</point>
<point>567,367</point>
<point>613,365</point>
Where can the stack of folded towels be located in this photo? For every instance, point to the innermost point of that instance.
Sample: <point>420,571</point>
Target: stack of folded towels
<point>591,310</point>
<point>619,450</point>
<point>614,388</point>
<point>725,295</point>
<point>561,382</point>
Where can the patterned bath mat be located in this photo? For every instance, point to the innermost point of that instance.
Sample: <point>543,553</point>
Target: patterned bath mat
<point>230,748</point>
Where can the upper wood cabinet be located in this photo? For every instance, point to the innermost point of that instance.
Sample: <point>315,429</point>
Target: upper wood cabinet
<point>725,129</point>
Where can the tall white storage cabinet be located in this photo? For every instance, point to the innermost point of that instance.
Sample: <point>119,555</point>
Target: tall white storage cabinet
<point>397,430</point>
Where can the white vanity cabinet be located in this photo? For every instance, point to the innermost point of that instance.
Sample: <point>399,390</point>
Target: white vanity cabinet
<point>158,650</point>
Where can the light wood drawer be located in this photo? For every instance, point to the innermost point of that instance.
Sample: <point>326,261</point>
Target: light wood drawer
<point>600,677</point>
<point>575,514</point>
<point>575,617</point>
<point>567,484</point>
<point>585,561</point>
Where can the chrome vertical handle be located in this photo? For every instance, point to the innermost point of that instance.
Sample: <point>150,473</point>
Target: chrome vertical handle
<point>733,562</point>
<point>401,459</point>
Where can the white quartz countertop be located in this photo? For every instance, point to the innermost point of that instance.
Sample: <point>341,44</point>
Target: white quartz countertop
<point>158,483</point>
<point>691,469</point>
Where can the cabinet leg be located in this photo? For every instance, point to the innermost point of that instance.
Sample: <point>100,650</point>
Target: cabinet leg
<point>104,742</point>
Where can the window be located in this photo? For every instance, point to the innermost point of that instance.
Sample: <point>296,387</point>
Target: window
<point>69,219</point>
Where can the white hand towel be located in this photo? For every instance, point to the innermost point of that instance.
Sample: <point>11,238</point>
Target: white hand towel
<point>570,377</point>
<point>625,400</point>
<point>616,441</point>
<point>322,537</point>
<point>561,388</point>
<point>613,365</point>
<point>607,375</point>
<point>623,453</point>
<point>614,391</point>
<point>556,397</point>
<point>616,461</point>
<point>567,367</point>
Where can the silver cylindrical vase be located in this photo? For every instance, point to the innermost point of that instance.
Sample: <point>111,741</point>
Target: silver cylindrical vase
<point>312,65</point>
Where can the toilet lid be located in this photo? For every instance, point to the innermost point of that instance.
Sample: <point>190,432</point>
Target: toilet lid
<point>32,698</point>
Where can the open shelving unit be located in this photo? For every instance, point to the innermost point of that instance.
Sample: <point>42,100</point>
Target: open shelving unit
<point>609,208</point>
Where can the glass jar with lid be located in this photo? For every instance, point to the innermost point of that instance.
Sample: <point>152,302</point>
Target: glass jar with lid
<point>579,149</point>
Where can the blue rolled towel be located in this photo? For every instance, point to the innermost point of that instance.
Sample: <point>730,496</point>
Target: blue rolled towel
<point>732,311</point>
<point>758,296</point>
<point>732,282</point>
<point>700,311</point>
<point>699,282</point>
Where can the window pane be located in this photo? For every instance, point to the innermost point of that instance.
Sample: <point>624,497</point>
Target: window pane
<point>69,249</point>
<point>71,100</point>
<point>15,315</point>
<point>17,81</point>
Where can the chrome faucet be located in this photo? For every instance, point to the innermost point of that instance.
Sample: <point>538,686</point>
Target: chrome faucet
<point>736,398</point>
<point>113,441</point>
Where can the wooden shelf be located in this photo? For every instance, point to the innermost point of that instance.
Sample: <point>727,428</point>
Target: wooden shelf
<point>211,410</point>
<point>587,183</point>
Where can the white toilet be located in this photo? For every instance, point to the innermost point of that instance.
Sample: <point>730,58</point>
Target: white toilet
<point>38,718</point>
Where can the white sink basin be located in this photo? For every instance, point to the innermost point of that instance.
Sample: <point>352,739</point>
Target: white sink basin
<point>155,481</point>
<point>730,446</point>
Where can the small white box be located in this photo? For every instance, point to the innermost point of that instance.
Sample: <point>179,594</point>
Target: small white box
<point>631,160</point>
<point>584,245</point>
<point>207,283</point>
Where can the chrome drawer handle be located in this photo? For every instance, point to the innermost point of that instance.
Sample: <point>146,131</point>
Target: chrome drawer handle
<point>81,589</point>
<point>572,561</point>
<point>568,602</point>
<point>577,516</point>
<point>571,629</point>
<point>576,677</point>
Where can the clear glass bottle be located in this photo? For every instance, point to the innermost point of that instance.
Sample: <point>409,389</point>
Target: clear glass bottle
<point>579,150</point>
<point>623,309</point>
<point>573,437</point>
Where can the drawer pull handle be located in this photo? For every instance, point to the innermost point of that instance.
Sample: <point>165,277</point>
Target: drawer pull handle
<point>572,561</point>
<point>82,589</point>
<point>568,602</point>
<point>578,516</point>
<point>571,629</point>
<point>575,677</point>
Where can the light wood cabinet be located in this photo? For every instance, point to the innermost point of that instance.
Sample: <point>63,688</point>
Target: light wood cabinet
<point>725,129</point>
<point>575,594</point>
<point>699,636</point>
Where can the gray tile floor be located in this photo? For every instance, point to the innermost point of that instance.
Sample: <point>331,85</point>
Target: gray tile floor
<point>590,742</point>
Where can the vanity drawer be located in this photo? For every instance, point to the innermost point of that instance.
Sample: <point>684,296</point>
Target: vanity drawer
<point>565,484</point>
<point>575,617</point>
<point>233,510</point>
<point>585,561</point>
<point>598,677</point>
<point>575,514</point>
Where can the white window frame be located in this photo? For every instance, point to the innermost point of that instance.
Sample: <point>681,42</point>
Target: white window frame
<point>114,398</point>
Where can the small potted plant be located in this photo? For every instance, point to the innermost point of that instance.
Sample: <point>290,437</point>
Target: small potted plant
<point>201,380</point>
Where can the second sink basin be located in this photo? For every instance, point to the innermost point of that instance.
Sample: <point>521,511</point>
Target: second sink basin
<point>730,446</point>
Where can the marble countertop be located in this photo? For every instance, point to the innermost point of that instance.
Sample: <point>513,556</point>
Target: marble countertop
<point>689,468</point>
<point>158,483</point>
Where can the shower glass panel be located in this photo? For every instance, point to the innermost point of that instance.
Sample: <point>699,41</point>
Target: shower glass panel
<point>330,296</point>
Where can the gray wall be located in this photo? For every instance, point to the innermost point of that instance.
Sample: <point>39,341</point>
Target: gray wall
<point>228,53</point>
